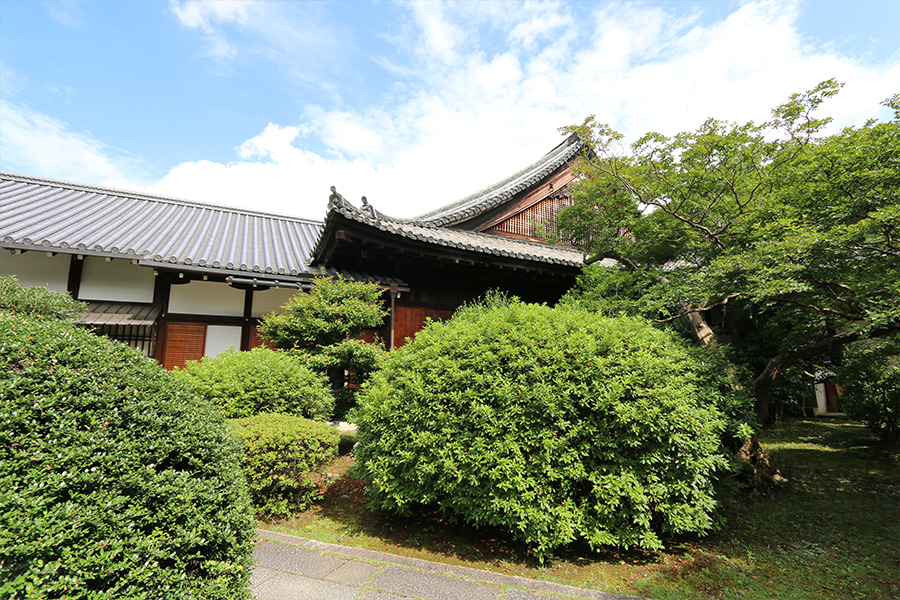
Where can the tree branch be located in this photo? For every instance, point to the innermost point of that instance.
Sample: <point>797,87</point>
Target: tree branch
<point>628,264</point>
<point>762,385</point>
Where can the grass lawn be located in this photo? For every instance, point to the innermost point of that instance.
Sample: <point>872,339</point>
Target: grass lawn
<point>832,532</point>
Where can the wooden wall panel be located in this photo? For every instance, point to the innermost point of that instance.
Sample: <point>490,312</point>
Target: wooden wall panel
<point>184,342</point>
<point>408,320</point>
<point>256,339</point>
<point>525,223</point>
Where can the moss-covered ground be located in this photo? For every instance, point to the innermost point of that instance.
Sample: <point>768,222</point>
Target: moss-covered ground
<point>831,532</point>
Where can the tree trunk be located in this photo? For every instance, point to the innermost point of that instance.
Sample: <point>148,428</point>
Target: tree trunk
<point>700,330</point>
<point>762,385</point>
<point>758,470</point>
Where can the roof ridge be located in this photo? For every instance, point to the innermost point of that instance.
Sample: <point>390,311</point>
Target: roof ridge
<point>368,216</point>
<point>145,196</point>
<point>571,142</point>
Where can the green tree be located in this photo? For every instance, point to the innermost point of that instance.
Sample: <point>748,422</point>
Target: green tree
<point>870,380</point>
<point>772,225</point>
<point>324,326</point>
<point>335,309</point>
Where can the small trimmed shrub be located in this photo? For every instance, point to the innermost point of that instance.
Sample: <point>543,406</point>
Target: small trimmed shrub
<point>552,424</point>
<point>260,380</point>
<point>113,483</point>
<point>281,454</point>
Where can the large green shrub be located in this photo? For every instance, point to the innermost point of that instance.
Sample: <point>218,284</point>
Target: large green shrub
<point>37,301</point>
<point>261,380</point>
<point>113,483</point>
<point>552,424</point>
<point>281,454</point>
<point>870,380</point>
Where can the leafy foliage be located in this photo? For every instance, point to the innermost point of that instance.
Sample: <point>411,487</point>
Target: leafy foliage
<point>113,482</point>
<point>769,224</point>
<point>870,380</point>
<point>350,363</point>
<point>321,328</point>
<point>334,309</point>
<point>243,384</point>
<point>357,356</point>
<point>281,453</point>
<point>37,301</point>
<point>552,424</point>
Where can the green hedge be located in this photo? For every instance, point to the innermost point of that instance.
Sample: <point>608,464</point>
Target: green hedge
<point>113,484</point>
<point>281,455</point>
<point>552,424</point>
<point>261,380</point>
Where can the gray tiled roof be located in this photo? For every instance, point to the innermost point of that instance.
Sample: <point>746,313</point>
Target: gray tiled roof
<point>45,214</point>
<point>120,313</point>
<point>502,191</point>
<point>455,238</point>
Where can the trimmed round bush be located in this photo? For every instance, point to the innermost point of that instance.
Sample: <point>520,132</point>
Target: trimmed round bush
<point>552,424</point>
<point>113,483</point>
<point>260,380</point>
<point>281,455</point>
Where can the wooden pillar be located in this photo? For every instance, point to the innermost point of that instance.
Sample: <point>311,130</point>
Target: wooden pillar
<point>393,295</point>
<point>76,266</point>
<point>246,333</point>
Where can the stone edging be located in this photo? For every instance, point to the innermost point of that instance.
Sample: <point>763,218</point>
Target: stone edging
<point>435,567</point>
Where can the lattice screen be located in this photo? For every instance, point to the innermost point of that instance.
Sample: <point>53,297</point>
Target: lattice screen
<point>526,222</point>
<point>141,337</point>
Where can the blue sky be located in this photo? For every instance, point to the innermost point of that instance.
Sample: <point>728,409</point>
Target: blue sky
<point>265,105</point>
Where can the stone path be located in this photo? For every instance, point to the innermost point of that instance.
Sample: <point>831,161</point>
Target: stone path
<point>293,568</point>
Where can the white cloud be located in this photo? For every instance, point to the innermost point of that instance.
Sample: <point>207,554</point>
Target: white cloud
<point>208,16</point>
<point>481,94</point>
<point>204,14</point>
<point>439,38</point>
<point>33,142</point>
<point>296,36</point>
<point>469,118</point>
<point>546,21</point>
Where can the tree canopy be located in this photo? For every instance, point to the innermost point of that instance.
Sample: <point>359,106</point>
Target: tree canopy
<point>773,226</point>
<point>324,327</point>
<point>334,310</point>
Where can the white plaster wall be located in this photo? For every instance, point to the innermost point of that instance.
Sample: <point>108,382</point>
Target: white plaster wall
<point>117,280</point>
<point>206,298</point>
<point>222,337</point>
<point>268,300</point>
<point>37,269</point>
<point>821,399</point>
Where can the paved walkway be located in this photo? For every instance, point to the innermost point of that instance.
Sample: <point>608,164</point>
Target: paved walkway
<point>293,568</point>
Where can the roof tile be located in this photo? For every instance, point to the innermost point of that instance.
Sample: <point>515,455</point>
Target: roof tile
<point>50,214</point>
<point>502,191</point>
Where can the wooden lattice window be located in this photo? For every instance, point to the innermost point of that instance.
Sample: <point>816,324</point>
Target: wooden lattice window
<point>527,222</point>
<point>142,337</point>
<point>184,342</point>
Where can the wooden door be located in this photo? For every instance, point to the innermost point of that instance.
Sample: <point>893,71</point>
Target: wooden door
<point>183,342</point>
<point>409,319</point>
